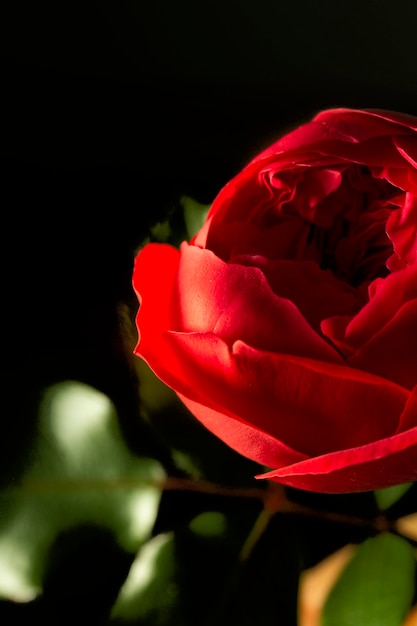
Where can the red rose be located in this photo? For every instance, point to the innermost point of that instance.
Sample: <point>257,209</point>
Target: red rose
<point>288,326</point>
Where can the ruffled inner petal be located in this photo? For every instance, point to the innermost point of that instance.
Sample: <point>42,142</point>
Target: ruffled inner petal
<point>386,297</point>
<point>287,239</point>
<point>392,352</point>
<point>407,147</point>
<point>402,230</point>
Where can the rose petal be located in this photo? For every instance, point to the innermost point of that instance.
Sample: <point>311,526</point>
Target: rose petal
<point>387,462</point>
<point>371,152</point>
<point>317,293</point>
<point>285,240</point>
<point>335,329</point>
<point>392,352</point>
<point>387,296</point>
<point>239,196</point>
<point>333,133</point>
<point>247,439</point>
<point>407,147</point>
<point>310,406</point>
<point>405,178</point>
<point>346,125</point>
<point>236,302</point>
<point>156,267</point>
<point>408,417</point>
<point>404,119</point>
<point>402,230</point>
<point>366,123</point>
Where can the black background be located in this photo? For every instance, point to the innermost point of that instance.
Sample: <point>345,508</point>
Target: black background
<point>111,111</point>
<point>114,109</point>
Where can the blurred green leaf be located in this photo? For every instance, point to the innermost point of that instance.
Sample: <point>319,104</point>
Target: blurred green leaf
<point>159,589</point>
<point>209,524</point>
<point>197,575</point>
<point>376,587</point>
<point>161,231</point>
<point>194,214</point>
<point>150,592</point>
<point>390,495</point>
<point>80,472</point>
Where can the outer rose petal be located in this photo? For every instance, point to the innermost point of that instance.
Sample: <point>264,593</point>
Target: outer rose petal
<point>347,125</point>
<point>290,398</point>
<point>342,127</point>
<point>365,124</point>
<point>200,293</point>
<point>386,462</point>
<point>155,265</point>
<point>391,461</point>
<point>286,240</point>
<point>247,439</point>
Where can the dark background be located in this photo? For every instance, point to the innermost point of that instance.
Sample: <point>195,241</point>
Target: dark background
<point>111,111</point>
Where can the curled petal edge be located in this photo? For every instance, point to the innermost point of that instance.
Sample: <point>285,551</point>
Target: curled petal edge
<point>384,463</point>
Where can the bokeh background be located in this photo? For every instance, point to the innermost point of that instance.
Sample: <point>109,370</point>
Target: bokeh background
<point>112,111</point>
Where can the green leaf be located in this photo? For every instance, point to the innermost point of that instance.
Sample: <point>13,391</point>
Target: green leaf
<point>194,215</point>
<point>197,575</point>
<point>209,524</point>
<point>389,496</point>
<point>161,231</point>
<point>81,472</point>
<point>172,574</point>
<point>376,588</point>
<point>150,590</point>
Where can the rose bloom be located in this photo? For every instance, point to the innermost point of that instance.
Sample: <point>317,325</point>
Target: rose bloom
<point>288,325</point>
